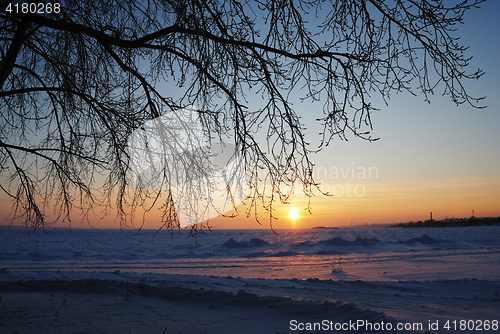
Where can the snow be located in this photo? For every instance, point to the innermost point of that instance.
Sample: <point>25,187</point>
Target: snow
<point>103,281</point>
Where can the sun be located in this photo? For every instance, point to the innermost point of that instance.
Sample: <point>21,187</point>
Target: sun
<point>293,213</point>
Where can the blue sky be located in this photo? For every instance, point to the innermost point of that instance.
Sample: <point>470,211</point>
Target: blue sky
<point>436,157</point>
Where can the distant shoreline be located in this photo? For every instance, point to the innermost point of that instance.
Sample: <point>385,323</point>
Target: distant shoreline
<point>452,222</point>
<point>330,228</point>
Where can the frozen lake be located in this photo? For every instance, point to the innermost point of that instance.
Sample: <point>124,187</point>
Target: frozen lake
<point>389,254</point>
<point>249,281</point>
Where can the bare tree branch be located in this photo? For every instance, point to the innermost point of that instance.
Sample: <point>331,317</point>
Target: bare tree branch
<point>76,85</point>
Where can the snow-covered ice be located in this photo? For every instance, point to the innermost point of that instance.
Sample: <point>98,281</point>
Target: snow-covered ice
<point>248,281</point>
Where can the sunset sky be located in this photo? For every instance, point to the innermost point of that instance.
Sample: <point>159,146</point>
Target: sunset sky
<point>435,157</point>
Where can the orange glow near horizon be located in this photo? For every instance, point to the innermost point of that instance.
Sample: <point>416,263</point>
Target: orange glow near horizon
<point>382,203</point>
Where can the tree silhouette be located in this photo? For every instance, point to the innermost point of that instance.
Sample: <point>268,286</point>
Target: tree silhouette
<point>76,83</point>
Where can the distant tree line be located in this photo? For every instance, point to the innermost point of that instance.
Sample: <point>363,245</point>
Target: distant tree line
<point>452,222</point>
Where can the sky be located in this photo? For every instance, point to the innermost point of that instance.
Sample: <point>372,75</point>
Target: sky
<point>436,157</point>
